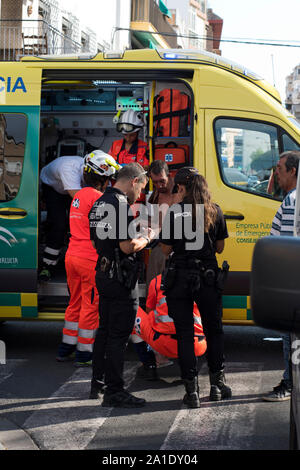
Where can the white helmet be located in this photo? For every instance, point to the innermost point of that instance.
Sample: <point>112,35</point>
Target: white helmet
<point>131,121</point>
<point>100,163</point>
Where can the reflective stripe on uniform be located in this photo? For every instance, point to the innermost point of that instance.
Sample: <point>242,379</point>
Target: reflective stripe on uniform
<point>50,256</point>
<point>50,262</point>
<point>51,251</point>
<point>85,347</point>
<point>162,318</point>
<point>70,331</point>
<point>88,334</point>
<point>71,325</point>
<point>69,339</point>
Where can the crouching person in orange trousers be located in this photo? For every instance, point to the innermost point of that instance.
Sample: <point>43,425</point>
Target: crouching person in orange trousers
<point>82,315</point>
<point>157,329</point>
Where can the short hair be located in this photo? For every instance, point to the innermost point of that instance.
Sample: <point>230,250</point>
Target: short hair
<point>94,180</point>
<point>292,159</point>
<point>158,166</point>
<point>131,171</point>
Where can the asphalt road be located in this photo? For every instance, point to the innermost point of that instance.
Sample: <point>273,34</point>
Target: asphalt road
<point>44,404</point>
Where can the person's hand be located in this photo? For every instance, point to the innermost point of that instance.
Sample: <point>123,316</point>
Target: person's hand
<point>147,232</point>
<point>151,234</point>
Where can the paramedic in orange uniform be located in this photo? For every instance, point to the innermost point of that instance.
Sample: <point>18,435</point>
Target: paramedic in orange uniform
<point>130,149</point>
<point>82,316</point>
<point>157,329</point>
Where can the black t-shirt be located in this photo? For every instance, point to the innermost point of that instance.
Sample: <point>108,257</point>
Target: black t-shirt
<point>111,222</point>
<point>177,232</point>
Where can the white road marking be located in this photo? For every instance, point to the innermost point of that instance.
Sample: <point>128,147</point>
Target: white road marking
<point>68,419</point>
<point>13,437</point>
<point>216,425</point>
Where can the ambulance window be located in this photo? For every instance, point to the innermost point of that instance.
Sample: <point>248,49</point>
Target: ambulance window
<point>248,152</point>
<point>12,147</point>
<point>289,144</point>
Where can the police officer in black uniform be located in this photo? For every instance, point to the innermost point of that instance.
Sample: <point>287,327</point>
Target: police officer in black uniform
<point>117,271</point>
<point>192,274</point>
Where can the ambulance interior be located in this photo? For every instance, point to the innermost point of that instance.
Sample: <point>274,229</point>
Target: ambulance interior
<point>78,117</point>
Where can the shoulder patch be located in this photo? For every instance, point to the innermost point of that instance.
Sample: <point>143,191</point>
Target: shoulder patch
<point>76,203</point>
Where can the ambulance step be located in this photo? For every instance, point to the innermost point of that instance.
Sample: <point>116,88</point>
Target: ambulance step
<point>53,288</point>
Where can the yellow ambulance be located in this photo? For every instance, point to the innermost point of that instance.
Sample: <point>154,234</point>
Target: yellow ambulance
<point>234,131</point>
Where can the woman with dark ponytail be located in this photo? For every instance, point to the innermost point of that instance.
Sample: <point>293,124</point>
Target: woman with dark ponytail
<point>193,232</point>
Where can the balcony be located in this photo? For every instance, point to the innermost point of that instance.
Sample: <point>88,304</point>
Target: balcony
<point>147,17</point>
<point>33,37</point>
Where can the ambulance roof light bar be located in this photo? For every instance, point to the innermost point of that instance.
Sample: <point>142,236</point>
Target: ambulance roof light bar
<point>199,54</point>
<point>83,56</point>
<point>117,54</point>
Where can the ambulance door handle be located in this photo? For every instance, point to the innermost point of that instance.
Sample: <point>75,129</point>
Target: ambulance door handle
<point>233,216</point>
<point>12,212</point>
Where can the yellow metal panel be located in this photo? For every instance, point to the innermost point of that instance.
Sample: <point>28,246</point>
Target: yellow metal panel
<point>10,312</point>
<point>51,316</point>
<point>238,322</point>
<point>220,89</point>
<point>20,85</point>
<point>234,314</point>
<point>28,300</point>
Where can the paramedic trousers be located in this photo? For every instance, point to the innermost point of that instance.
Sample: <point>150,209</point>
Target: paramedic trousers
<point>117,310</point>
<point>163,343</point>
<point>180,306</point>
<point>81,317</point>
<point>57,206</point>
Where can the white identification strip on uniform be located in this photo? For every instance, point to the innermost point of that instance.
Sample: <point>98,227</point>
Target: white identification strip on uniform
<point>183,214</point>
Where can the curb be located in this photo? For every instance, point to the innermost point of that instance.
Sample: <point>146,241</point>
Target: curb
<point>12,437</point>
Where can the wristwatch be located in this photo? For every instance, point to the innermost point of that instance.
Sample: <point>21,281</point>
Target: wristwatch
<point>147,238</point>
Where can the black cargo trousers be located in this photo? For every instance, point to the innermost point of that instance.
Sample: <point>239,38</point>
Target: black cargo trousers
<point>180,301</point>
<point>118,307</point>
<point>58,206</point>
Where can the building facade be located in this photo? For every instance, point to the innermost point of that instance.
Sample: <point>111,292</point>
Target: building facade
<point>38,27</point>
<point>197,26</point>
<point>292,101</point>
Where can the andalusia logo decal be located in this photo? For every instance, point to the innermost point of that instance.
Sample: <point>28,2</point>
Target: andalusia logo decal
<point>2,229</point>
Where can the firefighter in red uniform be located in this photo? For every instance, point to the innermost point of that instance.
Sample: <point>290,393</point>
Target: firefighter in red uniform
<point>130,149</point>
<point>157,329</point>
<point>81,316</point>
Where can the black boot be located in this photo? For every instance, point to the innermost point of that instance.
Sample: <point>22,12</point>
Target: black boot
<point>147,372</point>
<point>191,398</point>
<point>97,389</point>
<point>218,389</point>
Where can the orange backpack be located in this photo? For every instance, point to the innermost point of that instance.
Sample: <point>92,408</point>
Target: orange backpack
<point>172,113</point>
<point>174,155</point>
